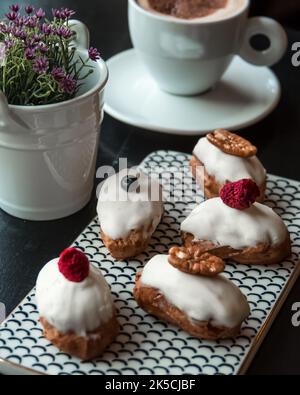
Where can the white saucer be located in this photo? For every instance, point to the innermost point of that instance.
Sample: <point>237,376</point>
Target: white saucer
<point>245,95</point>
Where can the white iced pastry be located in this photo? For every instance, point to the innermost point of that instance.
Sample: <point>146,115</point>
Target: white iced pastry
<point>121,211</point>
<point>225,167</point>
<point>69,306</point>
<point>213,299</point>
<point>214,221</point>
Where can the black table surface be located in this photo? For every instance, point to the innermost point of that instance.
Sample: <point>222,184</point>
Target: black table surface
<point>26,246</point>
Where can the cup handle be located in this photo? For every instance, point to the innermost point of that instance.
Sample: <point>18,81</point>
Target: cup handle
<point>82,39</point>
<point>275,33</point>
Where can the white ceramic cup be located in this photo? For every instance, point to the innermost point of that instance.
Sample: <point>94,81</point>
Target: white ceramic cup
<point>188,57</point>
<point>48,153</point>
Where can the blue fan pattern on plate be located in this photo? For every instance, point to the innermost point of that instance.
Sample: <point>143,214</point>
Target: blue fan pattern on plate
<point>144,344</point>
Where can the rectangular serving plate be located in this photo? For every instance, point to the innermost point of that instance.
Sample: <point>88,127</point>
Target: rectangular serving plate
<point>146,345</point>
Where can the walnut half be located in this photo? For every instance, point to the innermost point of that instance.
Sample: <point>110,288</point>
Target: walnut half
<point>231,143</point>
<point>193,260</point>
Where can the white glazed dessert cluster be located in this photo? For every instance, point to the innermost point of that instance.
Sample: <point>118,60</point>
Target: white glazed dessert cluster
<point>186,287</point>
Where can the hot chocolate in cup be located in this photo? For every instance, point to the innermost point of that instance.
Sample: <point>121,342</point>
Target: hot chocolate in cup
<point>206,10</point>
<point>187,45</point>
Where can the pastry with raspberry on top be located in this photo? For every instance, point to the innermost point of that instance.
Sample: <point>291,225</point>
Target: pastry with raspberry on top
<point>75,305</point>
<point>234,226</point>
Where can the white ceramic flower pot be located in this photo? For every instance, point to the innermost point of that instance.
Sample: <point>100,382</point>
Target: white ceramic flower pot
<point>48,153</point>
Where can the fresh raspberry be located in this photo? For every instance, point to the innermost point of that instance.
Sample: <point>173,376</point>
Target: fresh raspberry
<point>74,265</point>
<point>240,194</point>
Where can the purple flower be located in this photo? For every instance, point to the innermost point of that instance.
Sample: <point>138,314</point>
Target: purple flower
<point>94,54</point>
<point>58,74</point>
<point>36,38</point>
<point>32,41</point>
<point>29,9</point>
<point>21,21</point>
<point>63,13</point>
<point>19,33</point>
<point>31,22</point>
<point>12,16</point>
<point>41,65</point>
<point>8,43</point>
<point>42,47</point>
<point>30,53</point>
<point>69,84</point>
<point>56,13</point>
<point>66,13</point>
<point>14,7</point>
<point>46,29</point>
<point>9,30</point>
<point>66,82</point>
<point>40,13</point>
<point>64,32</point>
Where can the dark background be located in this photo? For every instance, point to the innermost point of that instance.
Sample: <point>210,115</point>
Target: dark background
<point>26,246</point>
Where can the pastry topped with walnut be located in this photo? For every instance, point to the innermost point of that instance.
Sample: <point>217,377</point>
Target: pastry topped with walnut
<point>222,157</point>
<point>186,288</point>
<point>234,226</point>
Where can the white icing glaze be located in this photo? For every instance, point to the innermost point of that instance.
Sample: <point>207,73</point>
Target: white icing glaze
<point>120,212</point>
<point>212,220</point>
<point>232,7</point>
<point>68,306</point>
<point>226,167</point>
<point>216,299</point>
